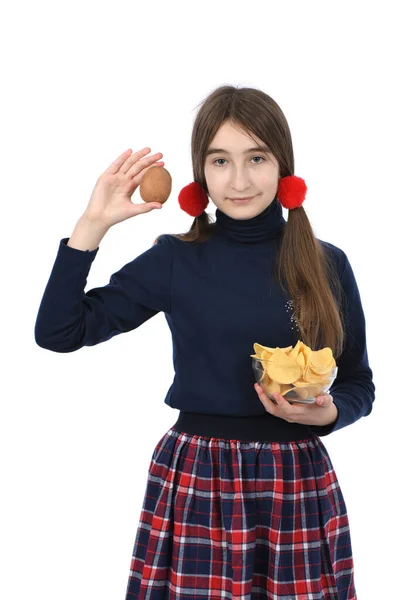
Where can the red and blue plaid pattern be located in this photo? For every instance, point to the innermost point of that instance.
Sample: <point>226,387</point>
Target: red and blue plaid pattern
<point>240,520</point>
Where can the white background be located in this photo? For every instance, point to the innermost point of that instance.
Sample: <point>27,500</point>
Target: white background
<point>83,82</point>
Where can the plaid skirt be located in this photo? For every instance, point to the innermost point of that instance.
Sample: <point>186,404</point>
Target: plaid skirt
<point>242,520</point>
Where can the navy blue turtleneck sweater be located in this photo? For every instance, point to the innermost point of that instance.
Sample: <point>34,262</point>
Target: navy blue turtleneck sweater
<point>218,298</point>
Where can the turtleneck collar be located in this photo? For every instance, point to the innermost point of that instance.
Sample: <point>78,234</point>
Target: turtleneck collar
<point>264,226</point>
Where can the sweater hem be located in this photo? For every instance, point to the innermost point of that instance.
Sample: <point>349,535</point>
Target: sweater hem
<point>262,428</point>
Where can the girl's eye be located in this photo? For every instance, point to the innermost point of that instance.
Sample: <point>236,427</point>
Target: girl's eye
<point>257,163</point>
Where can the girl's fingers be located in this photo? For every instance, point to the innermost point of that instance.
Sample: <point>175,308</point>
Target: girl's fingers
<point>125,160</point>
<point>137,167</point>
<point>113,168</point>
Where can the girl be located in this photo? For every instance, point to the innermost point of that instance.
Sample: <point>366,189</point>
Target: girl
<point>242,500</point>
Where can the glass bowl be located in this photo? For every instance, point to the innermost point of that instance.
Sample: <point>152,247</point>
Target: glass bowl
<point>304,394</point>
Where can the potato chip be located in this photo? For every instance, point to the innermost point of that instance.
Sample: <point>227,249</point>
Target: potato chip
<point>301,392</point>
<point>310,375</point>
<point>272,387</point>
<point>315,390</point>
<point>282,368</point>
<point>258,349</point>
<point>286,350</point>
<point>263,354</point>
<point>295,351</point>
<point>288,388</point>
<point>321,360</point>
<point>301,361</point>
<point>306,350</point>
<point>324,382</point>
<point>301,382</point>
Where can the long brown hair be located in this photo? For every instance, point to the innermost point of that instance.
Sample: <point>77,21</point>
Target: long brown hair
<point>303,267</point>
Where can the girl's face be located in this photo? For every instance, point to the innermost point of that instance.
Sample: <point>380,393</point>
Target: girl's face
<point>232,170</point>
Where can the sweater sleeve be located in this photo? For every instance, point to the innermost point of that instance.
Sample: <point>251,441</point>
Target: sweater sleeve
<point>353,390</point>
<point>68,318</point>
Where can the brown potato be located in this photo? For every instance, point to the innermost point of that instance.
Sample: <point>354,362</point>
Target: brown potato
<point>156,185</point>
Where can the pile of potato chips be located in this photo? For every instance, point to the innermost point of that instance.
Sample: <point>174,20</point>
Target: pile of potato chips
<point>300,370</point>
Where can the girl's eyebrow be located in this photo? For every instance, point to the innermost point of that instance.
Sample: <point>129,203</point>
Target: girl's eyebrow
<point>222,151</point>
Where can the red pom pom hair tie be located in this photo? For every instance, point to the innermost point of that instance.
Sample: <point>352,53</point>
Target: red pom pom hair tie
<point>291,194</point>
<point>291,191</point>
<point>193,199</point>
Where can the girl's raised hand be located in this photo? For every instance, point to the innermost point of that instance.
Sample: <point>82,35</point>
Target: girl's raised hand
<point>110,202</point>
